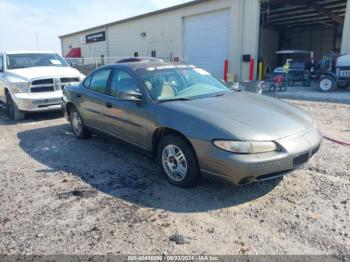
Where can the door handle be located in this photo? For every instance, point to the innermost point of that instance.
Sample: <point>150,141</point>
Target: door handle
<point>109,105</point>
<point>79,95</point>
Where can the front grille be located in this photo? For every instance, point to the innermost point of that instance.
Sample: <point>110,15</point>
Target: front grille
<point>302,159</point>
<point>69,80</point>
<point>51,84</point>
<point>272,176</point>
<point>42,89</point>
<point>42,82</point>
<point>42,85</point>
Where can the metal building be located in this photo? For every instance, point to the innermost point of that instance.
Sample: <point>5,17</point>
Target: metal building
<point>209,32</point>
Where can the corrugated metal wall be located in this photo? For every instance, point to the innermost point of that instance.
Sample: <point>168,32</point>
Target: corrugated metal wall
<point>87,50</point>
<point>317,39</point>
<point>345,47</point>
<point>164,33</point>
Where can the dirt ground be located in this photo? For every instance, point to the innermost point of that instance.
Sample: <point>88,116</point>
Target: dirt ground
<point>60,195</point>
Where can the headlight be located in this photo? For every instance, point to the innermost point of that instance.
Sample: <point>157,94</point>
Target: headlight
<point>20,87</point>
<point>242,147</point>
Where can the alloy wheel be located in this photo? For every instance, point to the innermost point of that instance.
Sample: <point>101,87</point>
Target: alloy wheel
<point>77,123</point>
<point>174,163</point>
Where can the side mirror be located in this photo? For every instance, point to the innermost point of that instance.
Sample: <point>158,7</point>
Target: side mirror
<point>130,95</point>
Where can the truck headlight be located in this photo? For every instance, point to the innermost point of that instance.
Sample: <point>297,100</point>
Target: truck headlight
<point>245,147</point>
<point>20,87</point>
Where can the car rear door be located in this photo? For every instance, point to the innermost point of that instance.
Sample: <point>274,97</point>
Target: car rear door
<point>91,101</point>
<point>125,119</point>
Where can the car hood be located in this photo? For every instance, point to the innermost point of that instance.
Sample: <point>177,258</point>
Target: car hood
<point>28,74</point>
<point>242,115</point>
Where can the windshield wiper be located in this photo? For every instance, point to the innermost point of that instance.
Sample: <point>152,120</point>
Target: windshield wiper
<point>219,94</point>
<point>174,99</point>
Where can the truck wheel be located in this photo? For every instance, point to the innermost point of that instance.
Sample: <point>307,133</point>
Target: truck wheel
<point>178,162</point>
<point>327,83</point>
<point>13,110</point>
<point>79,129</point>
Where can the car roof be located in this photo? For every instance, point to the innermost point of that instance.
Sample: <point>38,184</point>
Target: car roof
<point>29,52</point>
<point>286,52</point>
<point>145,64</point>
<point>139,59</point>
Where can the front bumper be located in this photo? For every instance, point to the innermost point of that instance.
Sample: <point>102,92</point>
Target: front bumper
<point>244,168</point>
<point>38,102</point>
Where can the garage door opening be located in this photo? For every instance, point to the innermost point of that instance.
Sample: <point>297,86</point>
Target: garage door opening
<point>315,26</point>
<point>206,40</point>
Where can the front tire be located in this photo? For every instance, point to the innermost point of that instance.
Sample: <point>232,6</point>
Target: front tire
<point>79,128</point>
<point>178,162</point>
<point>327,83</point>
<point>13,110</point>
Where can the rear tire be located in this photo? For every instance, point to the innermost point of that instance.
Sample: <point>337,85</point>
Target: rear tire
<point>327,83</point>
<point>178,161</point>
<point>79,128</point>
<point>12,109</point>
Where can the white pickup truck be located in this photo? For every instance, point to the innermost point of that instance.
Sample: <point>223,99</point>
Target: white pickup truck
<point>33,81</point>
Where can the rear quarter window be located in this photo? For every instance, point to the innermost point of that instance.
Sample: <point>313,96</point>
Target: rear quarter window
<point>87,82</point>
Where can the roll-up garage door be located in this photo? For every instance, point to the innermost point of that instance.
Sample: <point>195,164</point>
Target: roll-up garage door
<point>206,41</point>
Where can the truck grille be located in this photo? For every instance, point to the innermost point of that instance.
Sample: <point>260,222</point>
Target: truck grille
<point>42,82</point>
<point>52,84</point>
<point>42,89</point>
<point>70,80</point>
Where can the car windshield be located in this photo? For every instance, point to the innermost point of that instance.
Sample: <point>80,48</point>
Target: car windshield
<point>180,82</point>
<point>16,61</point>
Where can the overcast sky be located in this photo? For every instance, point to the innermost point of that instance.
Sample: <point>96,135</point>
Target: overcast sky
<point>36,24</point>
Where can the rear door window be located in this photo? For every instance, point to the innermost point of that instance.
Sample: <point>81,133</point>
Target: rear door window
<point>87,81</point>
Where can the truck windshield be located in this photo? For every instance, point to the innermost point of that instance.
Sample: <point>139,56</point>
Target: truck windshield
<point>16,61</point>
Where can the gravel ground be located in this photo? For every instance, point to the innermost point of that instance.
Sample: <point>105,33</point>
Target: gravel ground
<point>313,93</point>
<point>60,195</point>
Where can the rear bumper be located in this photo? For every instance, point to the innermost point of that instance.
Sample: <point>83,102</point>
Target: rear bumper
<point>38,102</point>
<point>242,169</point>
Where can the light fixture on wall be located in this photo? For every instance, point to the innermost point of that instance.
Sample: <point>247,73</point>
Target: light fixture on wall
<point>143,34</point>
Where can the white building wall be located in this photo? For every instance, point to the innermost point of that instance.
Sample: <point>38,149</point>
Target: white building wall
<point>345,47</point>
<point>248,22</point>
<point>91,50</point>
<point>164,33</point>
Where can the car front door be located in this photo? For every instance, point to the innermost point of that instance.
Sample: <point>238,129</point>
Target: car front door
<point>92,99</point>
<point>125,119</point>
